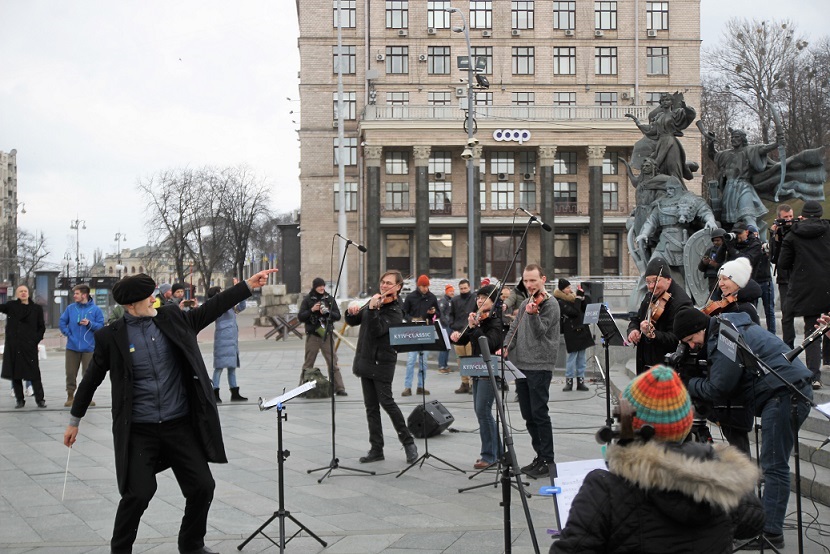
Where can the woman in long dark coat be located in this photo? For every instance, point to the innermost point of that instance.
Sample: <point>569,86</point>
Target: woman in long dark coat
<point>578,337</point>
<point>24,331</point>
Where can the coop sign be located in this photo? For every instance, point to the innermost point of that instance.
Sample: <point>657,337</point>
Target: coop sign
<point>511,135</point>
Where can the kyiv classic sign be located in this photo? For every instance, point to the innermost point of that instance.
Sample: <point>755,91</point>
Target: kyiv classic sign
<point>514,135</point>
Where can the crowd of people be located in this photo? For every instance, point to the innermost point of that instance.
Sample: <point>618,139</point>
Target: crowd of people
<point>153,344</point>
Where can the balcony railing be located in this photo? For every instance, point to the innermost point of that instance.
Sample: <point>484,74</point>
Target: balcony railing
<point>561,209</point>
<point>525,113</point>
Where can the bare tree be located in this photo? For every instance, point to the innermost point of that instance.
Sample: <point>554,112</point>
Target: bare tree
<point>805,95</point>
<point>751,62</point>
<point>31,255</point>
<point>718,111</point>
<point>244,203</point>
<point>207,241</point>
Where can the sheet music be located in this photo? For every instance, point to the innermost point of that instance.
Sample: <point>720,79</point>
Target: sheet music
<point>571,476</point>
<point>444,335</point>
<point>286,396</point>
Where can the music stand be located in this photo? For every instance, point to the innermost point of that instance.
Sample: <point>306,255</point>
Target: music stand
<point>611,336</point>
<point>411,337</point>
<point>278,402</point>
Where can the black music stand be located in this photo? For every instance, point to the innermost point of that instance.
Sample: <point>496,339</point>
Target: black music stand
<point>412,337</point>
<point>281,513</point>
<point>611,336</point>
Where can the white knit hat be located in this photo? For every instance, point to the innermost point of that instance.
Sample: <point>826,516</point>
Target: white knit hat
<point>738,270</point>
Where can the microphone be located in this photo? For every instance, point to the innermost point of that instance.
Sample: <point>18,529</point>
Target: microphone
<point>544,225</point>
<point>824,443</point>
<point>350,241</point>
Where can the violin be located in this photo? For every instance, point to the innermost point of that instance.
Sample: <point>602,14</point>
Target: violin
<point>656,308</point>
<point>385,298</point>
<point>540,297</point>
<point>714,307</point>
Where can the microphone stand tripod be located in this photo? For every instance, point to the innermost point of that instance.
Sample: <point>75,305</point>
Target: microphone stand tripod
<point>329,337</point>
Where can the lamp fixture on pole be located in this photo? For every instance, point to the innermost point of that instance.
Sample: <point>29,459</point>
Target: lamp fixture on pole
<point>76,225</point>
<point>119,236</point>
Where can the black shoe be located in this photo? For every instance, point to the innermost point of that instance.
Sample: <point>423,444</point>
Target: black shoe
<point>41,403</point>
<point>411,453</point>
<point>203,550</point>
<point>580,384</point>
<point>569,385</point>
<point>531,465</point>
<point>755,544</point>
<point>236,397</point>
<point>19,404</point>
<point>342,393</point>
<point>216,396</point>
<point>372,456</point>
<point>540,471</point>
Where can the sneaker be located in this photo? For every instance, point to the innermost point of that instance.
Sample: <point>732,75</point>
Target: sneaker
<point>540,471</point>
<point>816,385</point>
<point>425,392</point>
<point>757,543</point>
<point>30,391</point>
<point>531,465</point>
<point>342,393</point>
<point>41,403</point>
<point>12,394</point>
<point>372,456</point>
<point>406,392</point>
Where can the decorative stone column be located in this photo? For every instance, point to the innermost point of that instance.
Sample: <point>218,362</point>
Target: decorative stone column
<point>372,156</point>
<point>420,155</point>
<point>547,210</point>
<point>595,157</point>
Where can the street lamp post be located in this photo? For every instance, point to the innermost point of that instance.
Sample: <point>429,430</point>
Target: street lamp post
<point>76,225</point>
<point>119,236</point>
<point>468,152</point>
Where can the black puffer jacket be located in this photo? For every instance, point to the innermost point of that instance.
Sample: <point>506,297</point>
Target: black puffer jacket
<point>806,251</point>
<point>751,250</point>
<point>374,357</point>
<point>315,320</point>
<point>577,335</point>
<point>656,498</point>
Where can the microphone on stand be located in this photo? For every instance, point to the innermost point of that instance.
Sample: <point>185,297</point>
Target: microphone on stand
<point>350,241</point>
<point>544,225</point>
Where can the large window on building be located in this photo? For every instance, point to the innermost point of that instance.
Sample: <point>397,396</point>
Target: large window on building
<point>564,99</point>
<point>605,15</point>
<point>524,60</point>
<point>349,105</point>
<point>441,98</point>
<point>440,161</point>
<point>348,59</point>
<point>522,14</point>
<point>527,194</point>
<point>501,162</point>
<point>653,98</point>
<point>397,163</point>
<point>564,15</point>
<point>481,14</point>
<point>399,102</point>
<point>485,52</point>
<point>437,15</point>
<point>605,58</point>
<point>657,16</point>
<point>610,197</point>
<point>564,163</point>
<point>438,60</point>
<point>397,14</point>
<point>397,197</point>
<point>351,197</point>
<point>527,162</point>
<point>399,252</point>
<point>350,146</point>
<point>565,254</point>
<point>564,60</point>
<point>482,100</point>
<point>497,252</point>
<point>606,99</point>
<point>657,60</point>
<point>564,197</point>
<point>440,198</point>
<point>611,254</point>
<point>502,196</point>
<point>397,59</point>
<point>611,163</point>
<point>348,11</point>
<point>440,256</point>
<point>523,98</point>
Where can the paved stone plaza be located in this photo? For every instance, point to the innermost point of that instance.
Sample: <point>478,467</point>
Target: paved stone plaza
<point>421,511</point>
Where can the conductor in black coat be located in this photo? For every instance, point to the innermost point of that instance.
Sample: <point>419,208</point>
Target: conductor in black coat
<point>163,409</point>
<point>24,330</point>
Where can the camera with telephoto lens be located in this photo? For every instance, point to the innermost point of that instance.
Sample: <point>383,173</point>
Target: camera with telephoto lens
<point>325,308</point>
<point>782,227</point>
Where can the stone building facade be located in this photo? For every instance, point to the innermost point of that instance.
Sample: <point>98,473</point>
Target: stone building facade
<point>9,208</point>
<point>551,129</point>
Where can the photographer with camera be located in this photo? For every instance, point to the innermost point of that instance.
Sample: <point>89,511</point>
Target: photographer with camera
<point>764,394</point>
<point>317,308</point>
<point>662,493</point>
<point>711,262</point>
<point>778,231</point>
<point>805,251</point>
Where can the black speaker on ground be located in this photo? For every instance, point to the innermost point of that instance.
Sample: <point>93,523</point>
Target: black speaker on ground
<point>437,419</point>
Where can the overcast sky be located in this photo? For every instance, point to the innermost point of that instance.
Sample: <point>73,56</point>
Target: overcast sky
<point>95,95</point>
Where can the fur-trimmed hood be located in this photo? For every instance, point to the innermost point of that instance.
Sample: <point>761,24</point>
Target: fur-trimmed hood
<point>560,295</point>
<point>719,476</point>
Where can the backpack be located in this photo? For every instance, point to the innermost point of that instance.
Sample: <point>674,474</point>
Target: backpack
<point>323,388</point>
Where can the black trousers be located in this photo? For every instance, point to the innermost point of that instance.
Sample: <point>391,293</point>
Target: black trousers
<point>377,394</point>
<point>153,448</point>
<point>37,388</point>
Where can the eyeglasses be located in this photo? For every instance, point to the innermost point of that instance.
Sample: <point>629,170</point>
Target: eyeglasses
<point>652,282</point>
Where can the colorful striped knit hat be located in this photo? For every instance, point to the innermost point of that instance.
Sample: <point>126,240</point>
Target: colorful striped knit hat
<point>660,400</point>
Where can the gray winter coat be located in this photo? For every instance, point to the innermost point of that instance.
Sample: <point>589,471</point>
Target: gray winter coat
<point>226,339</point>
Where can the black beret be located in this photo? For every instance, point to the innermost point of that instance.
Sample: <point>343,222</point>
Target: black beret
<point>176,286</point>
<point>487,290</point>
<point>658,266</point>
<point>689,321</point>
<point>133,289</point>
